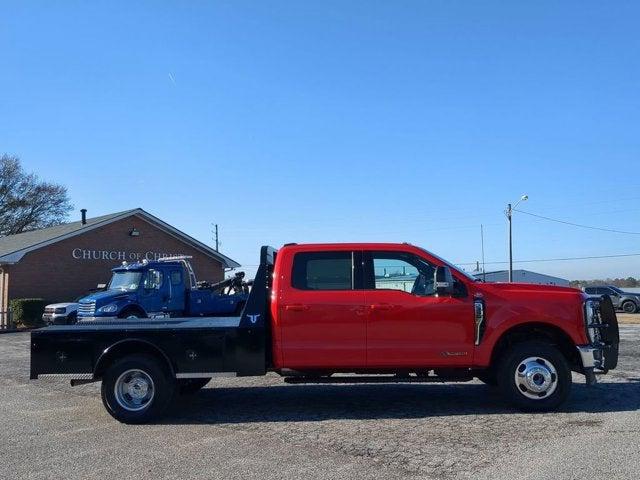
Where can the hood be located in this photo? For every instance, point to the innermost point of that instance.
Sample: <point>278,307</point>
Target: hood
<point>510,304</point>
<point>531,300</point>
<point>62,305</point>
<point>106,295</point>
<point>527,287</point>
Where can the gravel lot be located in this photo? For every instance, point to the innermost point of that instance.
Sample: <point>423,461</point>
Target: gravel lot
<point>262,428</point>
<point>628,318</point>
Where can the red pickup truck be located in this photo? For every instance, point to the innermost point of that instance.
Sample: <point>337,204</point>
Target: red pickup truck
<point>348,313</point>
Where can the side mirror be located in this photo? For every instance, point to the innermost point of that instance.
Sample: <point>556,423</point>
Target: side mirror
<point>443,281</point>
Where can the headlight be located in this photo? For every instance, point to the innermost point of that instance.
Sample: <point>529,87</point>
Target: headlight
<point>60,310</point>
<point>592,317</point>
<point>111,308</point>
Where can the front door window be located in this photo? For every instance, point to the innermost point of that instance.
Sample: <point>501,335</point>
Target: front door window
<point>403,272</point>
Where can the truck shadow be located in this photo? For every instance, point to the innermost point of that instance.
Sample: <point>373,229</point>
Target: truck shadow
<point>307,403</point>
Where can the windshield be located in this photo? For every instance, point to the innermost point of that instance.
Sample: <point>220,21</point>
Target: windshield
<point>125,280</point>
<point>616,289</point>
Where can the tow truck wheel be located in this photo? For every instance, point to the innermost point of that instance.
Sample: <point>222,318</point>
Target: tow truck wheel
<point>189,386</point>
<point>130,314</point>
<point>535,376</point>
<point>136,389</point>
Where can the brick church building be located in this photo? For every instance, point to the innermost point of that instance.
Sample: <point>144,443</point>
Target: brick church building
<point>63,262</point>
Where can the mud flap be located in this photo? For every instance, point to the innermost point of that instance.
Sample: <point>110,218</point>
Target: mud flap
<point>610,335</point>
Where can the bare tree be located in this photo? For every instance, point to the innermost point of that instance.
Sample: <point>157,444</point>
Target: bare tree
<point>26,202</point>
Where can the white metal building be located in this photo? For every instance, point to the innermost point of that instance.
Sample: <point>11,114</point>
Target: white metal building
<point>522,276</point>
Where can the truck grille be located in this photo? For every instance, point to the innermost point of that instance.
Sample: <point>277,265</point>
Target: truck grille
<point>87,309</point>
<point>49,310</point>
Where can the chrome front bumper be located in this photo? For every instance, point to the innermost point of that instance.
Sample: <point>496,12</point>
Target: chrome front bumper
<point>53,318</point>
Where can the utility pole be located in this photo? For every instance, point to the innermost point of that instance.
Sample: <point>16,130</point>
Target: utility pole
<point>215,226</point>
<point>484,277</point>
<point>509,213</point>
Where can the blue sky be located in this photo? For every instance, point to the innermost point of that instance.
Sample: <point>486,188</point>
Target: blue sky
<point>339,121</point>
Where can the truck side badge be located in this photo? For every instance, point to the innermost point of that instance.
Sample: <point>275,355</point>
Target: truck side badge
<point>253,318</point>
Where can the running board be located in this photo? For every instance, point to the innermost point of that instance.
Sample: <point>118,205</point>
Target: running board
<point>378,379</point>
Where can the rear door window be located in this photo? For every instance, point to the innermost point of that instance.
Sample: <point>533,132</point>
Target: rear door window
<point>323,271</point>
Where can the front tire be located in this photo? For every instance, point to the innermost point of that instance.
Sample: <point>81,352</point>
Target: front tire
<point>130,314</point>
<point>629,307</point>
<point>535,376</point>
<point>136,389</point>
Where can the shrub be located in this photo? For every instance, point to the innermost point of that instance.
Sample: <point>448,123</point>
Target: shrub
<point>27,312</point>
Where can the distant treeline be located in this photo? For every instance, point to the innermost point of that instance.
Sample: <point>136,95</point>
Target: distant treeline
<point>629,282</point>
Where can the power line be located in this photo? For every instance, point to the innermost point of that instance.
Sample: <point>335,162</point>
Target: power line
<point>558,259</point>
<point>577,224</point>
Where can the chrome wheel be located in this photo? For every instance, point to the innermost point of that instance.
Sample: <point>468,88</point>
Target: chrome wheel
<point>134,390</point>
<point>536,378</point>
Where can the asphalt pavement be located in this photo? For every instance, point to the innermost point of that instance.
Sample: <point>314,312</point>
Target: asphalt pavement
<point>262,428</point>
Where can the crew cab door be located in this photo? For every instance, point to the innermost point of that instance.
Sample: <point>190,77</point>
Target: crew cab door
<point>322,315</point>
<point>408,325</point>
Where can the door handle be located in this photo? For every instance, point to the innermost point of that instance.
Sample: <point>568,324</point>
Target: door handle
<point>296,307</point>
<point>381,306</point>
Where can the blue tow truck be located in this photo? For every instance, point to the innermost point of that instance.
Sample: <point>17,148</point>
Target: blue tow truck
<point>163,288</point>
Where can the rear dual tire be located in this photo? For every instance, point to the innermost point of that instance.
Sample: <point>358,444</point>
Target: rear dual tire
<point>136,389</point>
<point>535,376</point>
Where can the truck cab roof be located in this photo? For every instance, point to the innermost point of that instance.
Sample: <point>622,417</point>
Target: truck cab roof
<point>362,245</point>
<point>179,261</point>
<point>381,246</point>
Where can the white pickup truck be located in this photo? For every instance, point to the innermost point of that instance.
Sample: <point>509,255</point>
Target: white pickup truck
<point>60,313</point>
